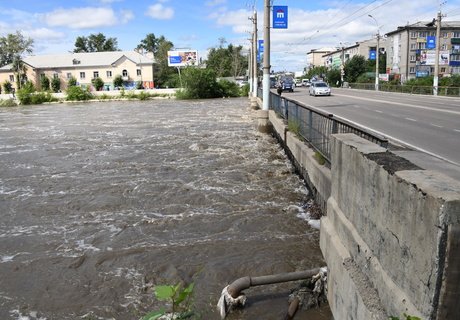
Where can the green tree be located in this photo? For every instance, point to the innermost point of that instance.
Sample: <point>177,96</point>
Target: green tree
<point>200,84</point>
<point>56,84</point>
<point>354,68</point>
<point>98,83</point>
<point>334,77</point>
<point>227,62</point>
<point>95,43</point>
<point>7,86</point>
<point>162,73</point>
<point>118,81</point>
<point>12,49</point>
<point>72,82</point>
<point>149,44</point>
<point>317,72</point>
<point>44,83</point>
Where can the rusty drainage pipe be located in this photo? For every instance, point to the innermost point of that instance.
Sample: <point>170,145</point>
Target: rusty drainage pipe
<point>231,295</point>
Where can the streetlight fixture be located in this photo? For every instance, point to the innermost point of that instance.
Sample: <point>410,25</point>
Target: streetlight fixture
<point>376,55</point>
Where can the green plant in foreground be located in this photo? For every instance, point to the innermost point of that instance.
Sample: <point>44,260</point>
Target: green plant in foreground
<point>179,298</point>
<point>320,159</point>
<point>294,127</point>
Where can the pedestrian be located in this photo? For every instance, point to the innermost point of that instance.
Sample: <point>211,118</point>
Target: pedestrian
<point>13,90</point>
<point>279,88</point>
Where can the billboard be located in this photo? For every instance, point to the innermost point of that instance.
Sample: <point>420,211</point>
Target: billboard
<point>428,57</point>
<point>182,58</point>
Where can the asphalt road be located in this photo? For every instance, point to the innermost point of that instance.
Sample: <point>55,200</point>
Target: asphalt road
<point>424,123</point>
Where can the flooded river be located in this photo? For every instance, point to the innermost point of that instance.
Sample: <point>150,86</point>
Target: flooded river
<point>100,202</point>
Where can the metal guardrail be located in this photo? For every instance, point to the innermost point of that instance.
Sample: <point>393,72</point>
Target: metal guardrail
<point>316,126</point>
<point>428,90</point>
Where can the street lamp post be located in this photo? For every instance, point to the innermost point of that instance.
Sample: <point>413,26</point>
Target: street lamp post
<point>376,55</point>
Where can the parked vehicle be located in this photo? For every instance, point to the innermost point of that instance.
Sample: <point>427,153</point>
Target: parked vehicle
<point>319,88</point>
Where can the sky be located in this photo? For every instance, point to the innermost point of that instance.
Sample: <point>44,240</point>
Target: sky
<point>202,24</point>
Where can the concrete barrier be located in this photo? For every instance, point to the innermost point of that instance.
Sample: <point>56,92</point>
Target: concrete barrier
<point>391,236</point>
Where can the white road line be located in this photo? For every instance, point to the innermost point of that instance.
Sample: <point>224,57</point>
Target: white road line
<point>391,138</point>
<point>410,119</point>
<point>436,125</point>
<point>378,111</point>
<point>458,130</point>
<point>400,104</point>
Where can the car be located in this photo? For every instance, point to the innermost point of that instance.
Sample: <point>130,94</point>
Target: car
<point>286,84</point>
<point>319,88</point>
<point>305,83</point>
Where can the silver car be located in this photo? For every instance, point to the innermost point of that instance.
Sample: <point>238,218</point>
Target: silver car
<point>319,89</point>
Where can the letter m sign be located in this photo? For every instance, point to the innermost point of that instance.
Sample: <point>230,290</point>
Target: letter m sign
<point>280,17</point>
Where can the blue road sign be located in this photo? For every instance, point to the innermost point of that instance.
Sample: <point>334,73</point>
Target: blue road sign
<point>260,50</point>
<point>280,17</point>
<point>430,42</point>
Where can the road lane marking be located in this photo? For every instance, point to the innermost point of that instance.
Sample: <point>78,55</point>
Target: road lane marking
<point>410,119</point>
<point>400,104</point>
<point>458,130</point>
<point>394,139</point>
<point>378,111</point>
<point>436,125</point>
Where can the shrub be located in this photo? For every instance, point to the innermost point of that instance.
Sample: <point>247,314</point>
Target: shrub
<point>27,95</point>
<point>143,96</point>
<point>8,103</point>
<point>45,83</point>
<point>75,93</point>
<point>98,83</point>
<point>7,86</point>
<point>72,82</point>
<point>118,81</point>
<point>245,90</point>
<point>199,84</point>
<point>229,88</point>
<point>56,84</point>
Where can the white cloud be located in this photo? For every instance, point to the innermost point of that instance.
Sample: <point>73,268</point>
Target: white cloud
<point>81,18</point>
<point>159,11</point>
<point>213,3</point>
<point>44,34</point>
<point>126,16</point>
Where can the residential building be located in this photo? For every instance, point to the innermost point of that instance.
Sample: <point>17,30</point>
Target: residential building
<point>132,66</point>
<point>411,50</point>
<point>338,57</point>
<point>315,57</point>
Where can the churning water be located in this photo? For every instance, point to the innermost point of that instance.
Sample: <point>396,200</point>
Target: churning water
<point>100,202</point>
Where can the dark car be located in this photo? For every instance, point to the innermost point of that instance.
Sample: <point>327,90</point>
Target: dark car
<point>286,84</point>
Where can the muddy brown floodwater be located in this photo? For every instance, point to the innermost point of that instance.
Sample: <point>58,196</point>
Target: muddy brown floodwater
<point>99,202</point>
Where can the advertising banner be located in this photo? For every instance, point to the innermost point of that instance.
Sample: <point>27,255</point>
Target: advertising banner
<point>182,58</point>
<point>280,17</point>
<point>428,57</point>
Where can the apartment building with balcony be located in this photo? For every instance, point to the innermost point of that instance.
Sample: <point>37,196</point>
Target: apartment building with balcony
<point>411,50</point>
<point>131,65</point>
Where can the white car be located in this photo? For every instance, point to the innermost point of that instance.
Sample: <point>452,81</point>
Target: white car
<point>319,88</point>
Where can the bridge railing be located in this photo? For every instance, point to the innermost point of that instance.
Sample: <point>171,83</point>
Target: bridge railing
<point>428,90</point>
<point>315,126</point>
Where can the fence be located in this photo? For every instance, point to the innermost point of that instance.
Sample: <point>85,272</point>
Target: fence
<point>442,91</point>
<point>315,126</point>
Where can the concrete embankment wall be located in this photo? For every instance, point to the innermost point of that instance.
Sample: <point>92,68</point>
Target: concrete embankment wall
<point>391,236</point>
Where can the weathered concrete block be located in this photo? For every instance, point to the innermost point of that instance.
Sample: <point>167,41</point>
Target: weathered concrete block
<point>398,225</point>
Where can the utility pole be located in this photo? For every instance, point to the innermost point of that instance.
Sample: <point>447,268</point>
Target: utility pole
<point>254,56</point>
<point>376,55</point>
<point>436,60</point>
<point>342,66</point>
<point>266,67</point>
